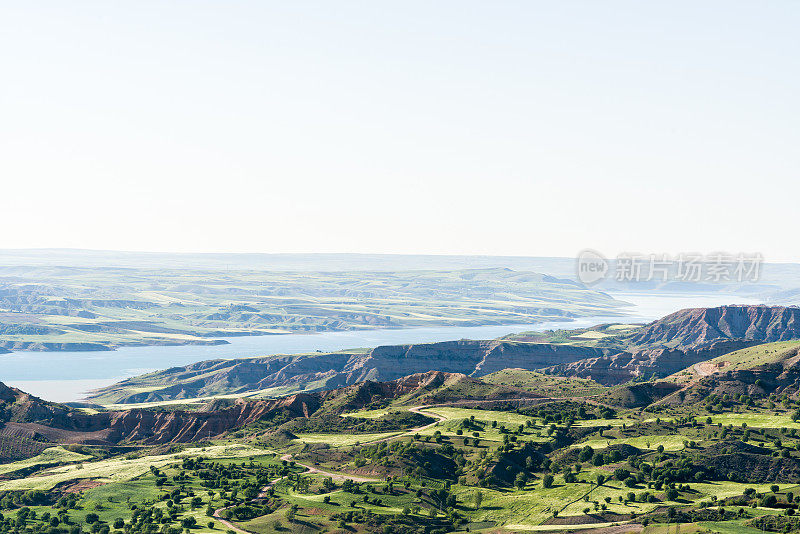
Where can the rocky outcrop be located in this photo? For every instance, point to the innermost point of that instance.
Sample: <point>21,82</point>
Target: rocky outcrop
<point>25,414</point>
<point>432,387</point>
<point>474,358</point>
<point>18,406</point>
<point>685,338</point>
<point>621,367</point>
<point>701,327</point>
<point>153,427</point>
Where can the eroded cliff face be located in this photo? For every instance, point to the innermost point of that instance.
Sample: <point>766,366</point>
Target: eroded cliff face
<point>532,356</point>
<point>394,361</point>
<point>685,338</point>
<point>152,427</point>
<point>47,421</point>
<point>622,367</point>
<point>473,358</point>
<point>330,371</point>
<point>18,406</point>
<point>700,327</point>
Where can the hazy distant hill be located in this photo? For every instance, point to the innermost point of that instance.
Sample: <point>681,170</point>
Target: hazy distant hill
<point>99,308</point>
<point>283,262</point>
<point>778,281</point>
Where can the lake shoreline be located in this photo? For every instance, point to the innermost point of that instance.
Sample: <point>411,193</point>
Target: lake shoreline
<point>59,376</point>
<point>226,339</point>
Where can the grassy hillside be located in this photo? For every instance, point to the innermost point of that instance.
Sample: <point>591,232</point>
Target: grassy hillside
<point>604,335</point>
<point>777,353</point>
<point>50,456</point>
<point>715,448</point>
<point>637,395</point>
<point>545,385</point>
<point>365,459</point>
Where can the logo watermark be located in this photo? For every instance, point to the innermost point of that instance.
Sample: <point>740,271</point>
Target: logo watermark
<point>592,267</point>
<point>719,267</point>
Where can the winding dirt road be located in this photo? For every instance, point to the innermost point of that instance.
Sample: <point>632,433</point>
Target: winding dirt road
<point>228,524</point>
<point>336,477</point>
<point>417,410</point>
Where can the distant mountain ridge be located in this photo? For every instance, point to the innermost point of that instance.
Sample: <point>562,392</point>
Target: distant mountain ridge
<point>557,266</point>
<point>51,308</point>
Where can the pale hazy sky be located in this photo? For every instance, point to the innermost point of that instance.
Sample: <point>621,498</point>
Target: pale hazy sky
<point>521,128</point>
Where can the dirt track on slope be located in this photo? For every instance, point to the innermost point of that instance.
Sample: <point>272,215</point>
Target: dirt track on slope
<point>341,477</point>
